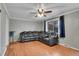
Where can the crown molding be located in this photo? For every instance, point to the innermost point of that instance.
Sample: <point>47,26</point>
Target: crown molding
<point>69,12</point>
<point>5,7</point>
<point>23,19</point>
<point>56,16</point>
<point>64,13</point>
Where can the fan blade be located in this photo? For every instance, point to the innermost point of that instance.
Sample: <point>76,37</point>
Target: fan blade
<point>32,12</point>
<point>48,12</point>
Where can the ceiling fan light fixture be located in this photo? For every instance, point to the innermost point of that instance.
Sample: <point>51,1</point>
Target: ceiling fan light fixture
<point>41,12</point>
<point>40,15</point>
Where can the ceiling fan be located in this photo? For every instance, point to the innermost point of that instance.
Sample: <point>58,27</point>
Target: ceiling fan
<point>40,12</point>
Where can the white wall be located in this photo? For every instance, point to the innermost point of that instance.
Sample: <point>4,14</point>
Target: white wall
<point>4,30</point>
<point>71,30</point>
<point>19,26</point>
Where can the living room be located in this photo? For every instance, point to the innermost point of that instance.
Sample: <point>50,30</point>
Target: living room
<point>57,27</point>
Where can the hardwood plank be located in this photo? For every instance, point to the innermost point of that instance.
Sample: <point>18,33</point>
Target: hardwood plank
<point>36,48</point>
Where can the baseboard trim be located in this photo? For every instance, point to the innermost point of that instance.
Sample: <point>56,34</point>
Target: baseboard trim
<point>68,46</point>
<point>5,50</point>
<point>74,48</point>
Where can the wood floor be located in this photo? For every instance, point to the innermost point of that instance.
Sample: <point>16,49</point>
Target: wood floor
<point>36,48</point>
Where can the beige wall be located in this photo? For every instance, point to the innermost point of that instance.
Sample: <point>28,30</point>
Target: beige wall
<point>71,30</point>
<point>4,30</point>
<point>0,31</point>
<point>19,26</point>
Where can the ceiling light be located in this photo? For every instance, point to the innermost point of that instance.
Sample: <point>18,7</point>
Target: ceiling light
<point>40,15</point>
<point>40,12</point>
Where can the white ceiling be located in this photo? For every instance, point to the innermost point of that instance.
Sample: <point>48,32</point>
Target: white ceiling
<point>22,11</point>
